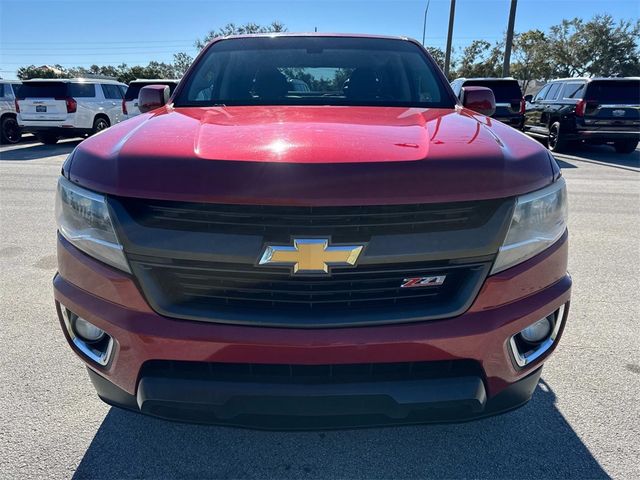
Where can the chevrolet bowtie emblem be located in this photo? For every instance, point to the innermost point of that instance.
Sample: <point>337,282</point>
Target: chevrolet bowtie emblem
<point>311,255</point>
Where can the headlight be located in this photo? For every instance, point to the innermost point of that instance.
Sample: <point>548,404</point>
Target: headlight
<point>539,220</point>
<point>83,219</point>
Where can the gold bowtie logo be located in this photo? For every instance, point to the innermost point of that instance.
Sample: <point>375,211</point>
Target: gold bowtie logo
<point>311,255</point>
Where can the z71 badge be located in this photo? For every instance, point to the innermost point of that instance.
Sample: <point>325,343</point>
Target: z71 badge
<point>434,281</point>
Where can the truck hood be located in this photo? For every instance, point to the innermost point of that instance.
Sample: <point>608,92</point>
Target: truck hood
<point>311,156</point>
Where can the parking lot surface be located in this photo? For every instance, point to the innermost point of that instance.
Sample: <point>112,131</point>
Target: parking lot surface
<point>581,423</point>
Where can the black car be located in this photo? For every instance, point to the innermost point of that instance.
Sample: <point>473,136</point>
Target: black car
<point>509,101</point>
<point>590,110</point>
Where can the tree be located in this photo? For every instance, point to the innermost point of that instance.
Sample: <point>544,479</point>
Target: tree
<point>247,28</point>
<point>610,49</point>
<point>565,50</point>
<point>94,71</point>
<point>122,72</point>
<point>599,47</point>
<point>481,59</point>
<point>531,59</point>
<point>45,71</point>
<point>181,62</point>
<point>437,54</point>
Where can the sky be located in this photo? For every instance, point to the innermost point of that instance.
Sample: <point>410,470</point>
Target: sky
<point>103,32</point>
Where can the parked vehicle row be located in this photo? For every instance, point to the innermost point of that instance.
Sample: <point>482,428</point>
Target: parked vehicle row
<point>53,109</point>
<point>591,110</point>
<point>62,108</point>
<point>569,111</point>
<point>563,113</point>
<point>9,130</point>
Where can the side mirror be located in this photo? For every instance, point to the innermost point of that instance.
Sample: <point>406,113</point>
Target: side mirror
<point>528,98</point>
<point>479,99</point>
<point>152,97</point>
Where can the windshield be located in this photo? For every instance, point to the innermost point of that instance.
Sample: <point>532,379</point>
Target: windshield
<point>614,92</point>
<point>134,88</point>
<point>314,71</point>
<point>504,91</point>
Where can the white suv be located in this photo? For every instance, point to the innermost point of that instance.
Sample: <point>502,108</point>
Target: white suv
<point>9,130</point>
<point>55,108</point>
<point>130,100</point>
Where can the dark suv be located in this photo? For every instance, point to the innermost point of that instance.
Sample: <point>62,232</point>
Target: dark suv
<point>593,110</point>
<point>509,101</point>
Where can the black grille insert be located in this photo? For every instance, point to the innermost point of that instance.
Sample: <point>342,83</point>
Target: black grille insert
<point>311,374</point>
<point>246,294</point>
<point>281,222</point>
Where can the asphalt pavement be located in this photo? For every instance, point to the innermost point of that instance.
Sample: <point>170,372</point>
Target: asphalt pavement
<point>581,423</point>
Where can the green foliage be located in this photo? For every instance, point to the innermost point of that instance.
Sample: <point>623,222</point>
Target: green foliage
<point>31,71</point>
<point>481,59</point>
<point>233,29</point>
<point>531,59</point>
<point>599,47</point>
<point>437,54</point>
<point>181,62</point>
<point>575,48</point>
<point>122,72</point>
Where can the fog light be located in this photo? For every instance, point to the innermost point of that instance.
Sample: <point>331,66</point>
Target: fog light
<point>92,342</point>
<point>537,332</point>
<point>88,331</point>
<point>535,341</point>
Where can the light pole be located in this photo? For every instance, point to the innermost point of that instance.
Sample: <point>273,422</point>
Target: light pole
<point>424,24</point>
<point>447,56</point>
<point>509,42</point>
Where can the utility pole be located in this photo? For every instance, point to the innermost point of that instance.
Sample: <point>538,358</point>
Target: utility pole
<point>509,43</point>
<point>447,57</point>
<point>424,24</point>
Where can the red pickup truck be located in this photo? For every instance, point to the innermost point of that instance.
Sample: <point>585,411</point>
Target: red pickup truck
<point>312,231</point>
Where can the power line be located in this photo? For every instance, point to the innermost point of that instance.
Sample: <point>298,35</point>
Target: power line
<point>81,64</point>
<point>65,49</point>
<point>141,52</point>
<point>98,43</point>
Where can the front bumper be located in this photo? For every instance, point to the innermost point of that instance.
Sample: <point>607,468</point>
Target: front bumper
<point>276,406</point>
<point>507,303</point>
<point>59,128</point>
<point>603,135</point>
<point>515,121</point>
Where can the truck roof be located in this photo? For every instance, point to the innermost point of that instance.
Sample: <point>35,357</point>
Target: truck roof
<point>591,79</point>
<point>497,79</point>
<point>317,34</point>
<point>74,80</point>
<point>147,80</point>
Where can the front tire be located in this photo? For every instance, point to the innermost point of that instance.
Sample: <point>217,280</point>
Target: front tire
<point>47,138</point>
<point>557,141</point>
<point>100,124</point>
<point>9,130</point>
<point>626,146</point>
